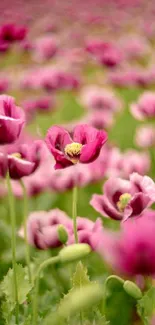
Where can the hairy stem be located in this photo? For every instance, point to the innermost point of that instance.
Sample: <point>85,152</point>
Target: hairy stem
<point>25,213</point>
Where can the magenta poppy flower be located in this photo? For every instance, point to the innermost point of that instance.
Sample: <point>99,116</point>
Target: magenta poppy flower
<point>23,161</point>
<point>12,120</point>
<point>123,199</point>
<point>131,251</point>
<point>42,228</point>
<point>10,33</point>
<point>83,147</point>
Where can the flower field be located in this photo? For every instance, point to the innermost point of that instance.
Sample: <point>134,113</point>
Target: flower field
<point>77,162</point>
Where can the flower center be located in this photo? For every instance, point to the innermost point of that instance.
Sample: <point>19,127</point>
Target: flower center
<point>16,155</point>
<point>73,150</point>
<point>123,201</point>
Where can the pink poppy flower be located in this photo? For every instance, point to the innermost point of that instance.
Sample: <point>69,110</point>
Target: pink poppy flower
<point>124,199</point>
<point>145,136</point>
<point>39,180</point>
<point>111,58</point>
<point>131,251</point>
<point>45,48</point>
<point>134,161</point>
<point>96,47</point>
<point>42,104</point>
<point>99,99</point>
<point>84,147</point>
<point>131,161</point>
<point>12,120</point>
<point>88,232</point>
<point>42,228</point>
<point>62,180</point>
<point>145,107</point>
<point>23,161</point>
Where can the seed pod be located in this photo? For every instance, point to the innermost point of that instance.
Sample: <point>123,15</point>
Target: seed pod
<point>74,252</point>
<point>132,289</point>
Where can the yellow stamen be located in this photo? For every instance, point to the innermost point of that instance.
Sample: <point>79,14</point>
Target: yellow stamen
<point>16,155</point>
<point>123,201</point>
<point>73,150</point>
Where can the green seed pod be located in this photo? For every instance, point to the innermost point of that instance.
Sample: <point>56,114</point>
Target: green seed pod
<point>74,252</point>
<point>62,234</point>
<point>132,289</point>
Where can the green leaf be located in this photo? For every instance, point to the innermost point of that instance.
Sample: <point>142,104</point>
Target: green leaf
<point>5,310</point>
<point>80,280</point>
<point>27,321</point>
<point>24,287</point>
<point>146,306</point>
<point>80,277</point>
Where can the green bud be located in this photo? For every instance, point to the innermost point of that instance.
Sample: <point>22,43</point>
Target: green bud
<point>74,252</point>
<point>113,280</point>
<point>62,234</point>
<point>132,289</point>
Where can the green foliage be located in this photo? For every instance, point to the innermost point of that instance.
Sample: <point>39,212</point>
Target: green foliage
<point>80,277</point>
<point>146,306</point>
<point>7,286</point>
<point>118,304</point>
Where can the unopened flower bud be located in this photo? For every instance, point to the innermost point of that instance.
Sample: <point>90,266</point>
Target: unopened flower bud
<point>62,234</point>
<point>74,252</point>
<point>132,289</point>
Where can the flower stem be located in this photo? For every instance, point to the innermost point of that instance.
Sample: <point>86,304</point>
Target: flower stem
<point>51,260</point>
<point>81,318</point>
<point>74,212</point>
<point>25,212</point>
<point>13,242</point>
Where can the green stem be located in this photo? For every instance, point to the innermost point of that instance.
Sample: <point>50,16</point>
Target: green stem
<point>152,151</point>
<point>25,212</point>
<point>81,318</point>
<point>51,260</point>
<point>74,212</point>
<point>13,242</point>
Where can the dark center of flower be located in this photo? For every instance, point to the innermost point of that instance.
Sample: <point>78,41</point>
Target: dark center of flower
<point>73,150</point>
<point>123,201</point>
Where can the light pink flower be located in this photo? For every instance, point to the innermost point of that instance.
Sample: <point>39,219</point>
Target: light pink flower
<point>145,136</point>
<point>124,199</point>
<point>100,99</point>
<point>42,228</point>
<point>122,164</point>
<point>45,48</point>
<point>145,107</point>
